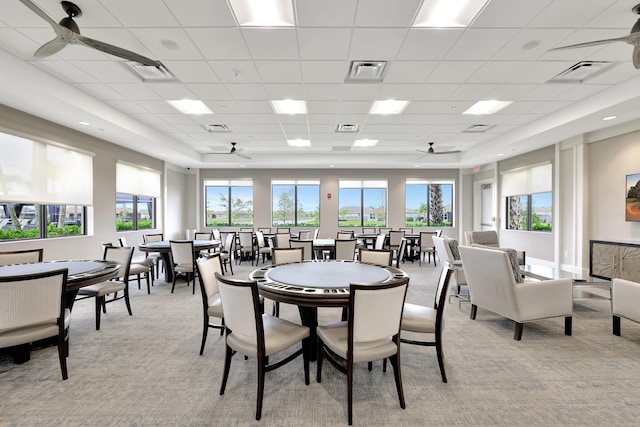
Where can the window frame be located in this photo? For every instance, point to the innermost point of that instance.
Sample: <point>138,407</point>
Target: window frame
<point>40,212</point>
<point>362,185</point>
<point>529,214</point>
<point>295,183</point>
<point>428,195</point>
<point>229,185</point>
<point>135,221</point>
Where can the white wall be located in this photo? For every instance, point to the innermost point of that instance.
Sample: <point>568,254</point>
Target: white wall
<point>610,160</point>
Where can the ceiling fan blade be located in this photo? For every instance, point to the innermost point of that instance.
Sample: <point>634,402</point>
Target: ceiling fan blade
<point>117,51</point>
<point>447,152</point>
<point>50,48</point>
<point>636,55</point>
<point>629,39</point>
<point>423,156</point>
<point>244,156</point>
<point>423,151</point>
<point>41,13</point>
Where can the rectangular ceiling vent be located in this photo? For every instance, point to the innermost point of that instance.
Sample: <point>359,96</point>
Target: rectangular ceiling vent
<point>217,128</point>
<point>340,148</point>
<point>478,128</point>
<point>581,71</point>
<point>344,127</point>
<point>149,73</point>
<point>366,71</point>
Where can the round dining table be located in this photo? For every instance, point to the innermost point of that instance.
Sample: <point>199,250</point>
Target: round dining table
<point>164,249</point>
<point>319,283</point>
<point>81,273</point>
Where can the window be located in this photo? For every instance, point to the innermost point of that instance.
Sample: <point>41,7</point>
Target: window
<point>429,204</point>
<point>136,191</point>
<point>23,221</point>
<point>295,203</point>
<point>228,203</point>
<point>45,189</point>
<point>362,203</point>
<point>528,198</point>
<point>134,212</point>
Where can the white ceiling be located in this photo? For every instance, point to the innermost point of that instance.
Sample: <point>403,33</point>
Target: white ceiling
<point>237,70</point>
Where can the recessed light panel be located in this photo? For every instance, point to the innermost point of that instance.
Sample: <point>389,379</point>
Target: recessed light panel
<point>365,142</point>
<point>299,143</point>
<point>289,106</point>
<point>389,106</point>
<point>487,107</point>
<point>263,13</point>
<point>190,106</point>
<point>448,13</point>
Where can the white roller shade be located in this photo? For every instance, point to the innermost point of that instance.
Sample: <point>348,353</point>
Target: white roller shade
<point>536,179</point>
<point>33,172</point>
<point>137,181</point>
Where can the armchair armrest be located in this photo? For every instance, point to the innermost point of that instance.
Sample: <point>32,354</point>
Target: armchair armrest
<point>624,299</point>
<point>547,298</point>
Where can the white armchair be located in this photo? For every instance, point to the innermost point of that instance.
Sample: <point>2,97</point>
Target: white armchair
<point>489,238</point>
<point>495,284</point>
<point>624,302</point>
<point>443,249</point>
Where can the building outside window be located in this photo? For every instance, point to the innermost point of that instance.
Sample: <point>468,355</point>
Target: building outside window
<point>295,203</point>
<point>228,203</point>
<point>429,204</point>
<point>362,203</point>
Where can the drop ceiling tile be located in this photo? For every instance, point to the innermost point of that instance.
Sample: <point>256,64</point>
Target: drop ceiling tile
<point>192,71</point>
<point>247,92</point>
<point>397,91</point>
<point>548,91</point>
<point>107,71</point>
<point>329,119</point>
<point>428,43</point>
<point>157,107</point>
<point>177,119</point>
<point>326,13</point>
<point>207,13</point>
<point>532,43</point>
<point>540,72</point>
<point>323,92</point>
<point>372,44</point>
<point>261,119</point>
<point>512,92</point>
<point>454,71</point>
<point>151,119</point>
<point>168,90</point>
<point>236,71</point>
<point>354,107</point>
<point>128,107</point>
<point>322,107</point>
<point>570,13</point>
<point>386,13</point>
<point>360,91</point>
<point>65,71</point>
<point>497,71</point>
<point>580,92</point>
<point>210,91</point>
<point>549,107</point>
<point>279,71</point>
<point>435,92</point>
<point>516,13</point>
<point>168,43</point>
<point>254,107</point>
<point>150,13</point>
<point>284,91</point>
<point>479,43</point>
<point>324,71</point>
<point>271,43</point>
<point>324,43</point>
<point>135,91</point>
<point>219,43</point>
<point>409,71</point>
<point>101,91</point>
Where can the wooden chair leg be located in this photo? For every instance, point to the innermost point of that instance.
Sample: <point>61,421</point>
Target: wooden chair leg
<point>440,355</point>
<point>261,371</point>
<point>616,325</point>
<point>567,325</point>
<point>227,365</point>
<point>99,303</point>
<point>398,377</point>
<point>62,354</point>
<point>474,310</point>
<point>205,330</point>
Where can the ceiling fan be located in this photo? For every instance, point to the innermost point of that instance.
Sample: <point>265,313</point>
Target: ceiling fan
<point>234,150</point>
<point>633,38</point>
<point>432,151</point>
<point>68,32</point>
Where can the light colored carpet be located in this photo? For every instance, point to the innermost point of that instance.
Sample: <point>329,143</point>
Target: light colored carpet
<point>145,370</point>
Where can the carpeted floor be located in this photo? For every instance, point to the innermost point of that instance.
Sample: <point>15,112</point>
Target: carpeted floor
<point>145,370</point>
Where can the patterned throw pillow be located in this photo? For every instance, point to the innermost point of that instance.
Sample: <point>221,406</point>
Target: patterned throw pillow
<point>513,258</point>
<point>453,247</point>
